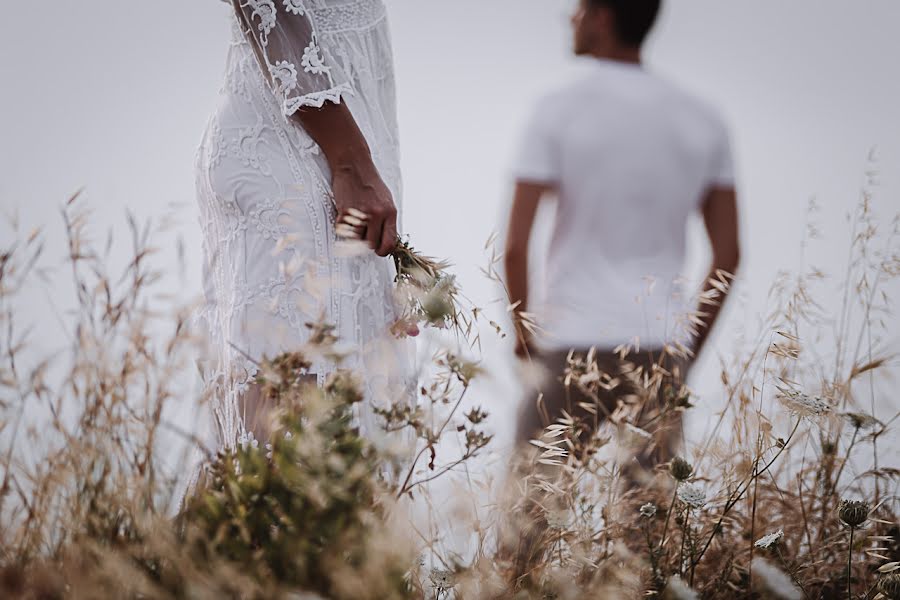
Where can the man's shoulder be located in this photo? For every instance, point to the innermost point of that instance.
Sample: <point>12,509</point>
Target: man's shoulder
<point>692,103</point>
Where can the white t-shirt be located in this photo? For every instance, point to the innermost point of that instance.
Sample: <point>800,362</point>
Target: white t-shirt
<point>632,157</point>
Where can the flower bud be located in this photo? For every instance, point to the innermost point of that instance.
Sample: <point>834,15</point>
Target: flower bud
<point>680,469</point>
<point>853,512</point>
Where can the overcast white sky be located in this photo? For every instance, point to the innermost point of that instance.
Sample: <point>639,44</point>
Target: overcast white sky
<point>113,95</point>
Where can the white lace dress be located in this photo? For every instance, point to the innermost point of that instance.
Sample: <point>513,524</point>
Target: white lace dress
<point>271,260</point>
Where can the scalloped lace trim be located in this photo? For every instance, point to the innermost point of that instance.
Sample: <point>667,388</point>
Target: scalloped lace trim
<point>316,99</point>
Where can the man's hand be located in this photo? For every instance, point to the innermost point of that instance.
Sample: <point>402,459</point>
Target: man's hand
<point>515,256</point>
<point>359,190</point>
<point>524,348</point>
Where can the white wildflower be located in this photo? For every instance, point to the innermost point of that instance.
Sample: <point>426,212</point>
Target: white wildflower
<point>692,495</point>
<point>767,541</point>
<point>247,440</point>
<point>803,405</point>
<point>442,580</point>
<point>677,589</point>
<point>648,511</point>
<point>774,580</point>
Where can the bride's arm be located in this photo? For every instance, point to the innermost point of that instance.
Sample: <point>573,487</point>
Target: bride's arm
<point>309,86</point>
<point>355,181</point>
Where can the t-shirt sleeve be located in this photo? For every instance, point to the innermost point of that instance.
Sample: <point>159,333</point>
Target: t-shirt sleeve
<point>722,162</point>
<point>537,157</point>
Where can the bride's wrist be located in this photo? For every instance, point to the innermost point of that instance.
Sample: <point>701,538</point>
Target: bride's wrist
<point>351,159</point>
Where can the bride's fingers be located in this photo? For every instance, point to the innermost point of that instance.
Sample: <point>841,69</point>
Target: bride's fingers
<point>348,231</point>
<point>388,238</point>
<point>357,214</point>
<point>349,225</point>
<point>373,234</point>
<point>354,221</point>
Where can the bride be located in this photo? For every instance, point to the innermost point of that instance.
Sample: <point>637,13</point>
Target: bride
<point>301,151</point>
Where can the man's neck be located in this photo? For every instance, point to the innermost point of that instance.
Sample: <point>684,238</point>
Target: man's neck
<point>631,56</point>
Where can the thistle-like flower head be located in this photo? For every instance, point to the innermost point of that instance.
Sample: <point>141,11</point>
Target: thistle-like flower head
<point>680,469</point>
<point>853,513</point>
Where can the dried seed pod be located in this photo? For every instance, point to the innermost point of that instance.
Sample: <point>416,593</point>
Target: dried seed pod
<point>680,469</point>
<point>853,512</point>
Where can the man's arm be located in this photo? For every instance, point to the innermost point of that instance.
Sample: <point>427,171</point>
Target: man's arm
<point>720,217</point>
<point>525,203</point>
<point>355,181</point>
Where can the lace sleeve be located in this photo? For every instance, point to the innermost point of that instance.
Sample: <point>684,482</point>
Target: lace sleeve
<point>283,34</point>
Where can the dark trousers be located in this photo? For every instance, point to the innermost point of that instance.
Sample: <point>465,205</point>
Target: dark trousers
<point>555,397</point>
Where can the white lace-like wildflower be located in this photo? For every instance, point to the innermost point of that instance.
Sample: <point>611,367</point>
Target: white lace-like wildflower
<point>775,581</point>
<point>803,405</point>
<point>692,495</point>
<point>648,511</point>
<point>441,579</point>
<point>767,541</point>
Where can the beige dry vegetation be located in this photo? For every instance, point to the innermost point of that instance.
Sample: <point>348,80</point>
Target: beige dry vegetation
<point>790,497</point>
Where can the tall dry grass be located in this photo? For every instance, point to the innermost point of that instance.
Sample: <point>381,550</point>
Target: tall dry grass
<point>792,496</point>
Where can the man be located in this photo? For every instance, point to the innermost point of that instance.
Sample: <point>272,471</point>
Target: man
<point>629,158</point>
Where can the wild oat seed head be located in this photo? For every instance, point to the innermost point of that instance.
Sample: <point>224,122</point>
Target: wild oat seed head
<point>861,420</point>
<point>680,469</point>
<point>853,513</point>
<point>767,541</point>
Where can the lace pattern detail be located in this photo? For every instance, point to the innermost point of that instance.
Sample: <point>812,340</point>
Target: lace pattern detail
<point>286,36</point>
<point>267,217</point>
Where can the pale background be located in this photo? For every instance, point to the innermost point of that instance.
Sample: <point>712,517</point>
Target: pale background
<point>113,95</point>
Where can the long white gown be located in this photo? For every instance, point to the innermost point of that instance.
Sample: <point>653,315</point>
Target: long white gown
<point>264,189</point>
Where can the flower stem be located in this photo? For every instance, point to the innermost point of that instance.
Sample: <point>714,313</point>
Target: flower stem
<point>850,563</point>
<point>662,540</point>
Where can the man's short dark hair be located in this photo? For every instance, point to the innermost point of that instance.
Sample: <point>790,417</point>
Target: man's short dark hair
<point>634,18</point>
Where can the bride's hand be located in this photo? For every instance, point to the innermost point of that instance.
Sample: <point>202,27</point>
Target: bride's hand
<point>355,181</point>
<point>365,205</point>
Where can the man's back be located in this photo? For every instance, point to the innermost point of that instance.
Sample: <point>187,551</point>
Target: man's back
<point>632,157</point>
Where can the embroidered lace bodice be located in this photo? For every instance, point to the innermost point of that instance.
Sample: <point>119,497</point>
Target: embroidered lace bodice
<point>272,262</point>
